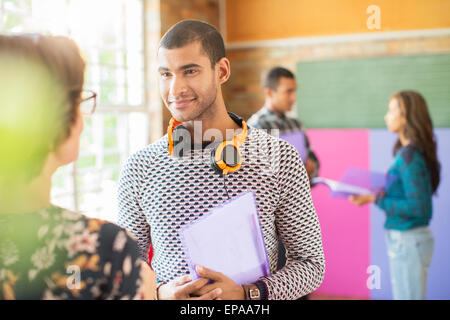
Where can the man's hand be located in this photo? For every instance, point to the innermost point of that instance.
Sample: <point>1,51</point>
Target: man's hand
<point>361,200</point>
<point>230,290</point>
<point>183,287</point>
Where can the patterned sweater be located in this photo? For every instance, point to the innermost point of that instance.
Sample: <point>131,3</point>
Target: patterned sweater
<point>159,194</point>
<point>408,200</point>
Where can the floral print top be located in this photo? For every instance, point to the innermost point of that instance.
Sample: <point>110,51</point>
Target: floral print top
<point>59,254</point>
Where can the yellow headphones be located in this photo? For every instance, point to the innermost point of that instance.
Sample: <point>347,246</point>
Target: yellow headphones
<point>221,161</point>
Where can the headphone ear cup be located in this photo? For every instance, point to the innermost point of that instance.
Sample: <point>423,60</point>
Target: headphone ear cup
<point>230,158</point>
<point>214,164</point>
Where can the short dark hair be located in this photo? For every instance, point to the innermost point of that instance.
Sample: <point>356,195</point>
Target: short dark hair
<point>188,31</point>
<point>272,78</point>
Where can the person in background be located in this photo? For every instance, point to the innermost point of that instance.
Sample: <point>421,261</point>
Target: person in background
<point>408,200</point>
<point>280,89</point>
<point>47,252</point>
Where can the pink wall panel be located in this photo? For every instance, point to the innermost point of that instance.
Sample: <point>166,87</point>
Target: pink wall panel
<point>345,227</point>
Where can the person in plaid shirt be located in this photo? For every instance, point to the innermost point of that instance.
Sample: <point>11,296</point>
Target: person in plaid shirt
<point>280,89</point>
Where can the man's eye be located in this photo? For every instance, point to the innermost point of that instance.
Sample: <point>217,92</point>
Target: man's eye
<point>190,71</point>
<point>165,75</point>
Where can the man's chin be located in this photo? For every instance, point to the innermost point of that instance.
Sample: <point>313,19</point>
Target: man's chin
<point>183,116</point>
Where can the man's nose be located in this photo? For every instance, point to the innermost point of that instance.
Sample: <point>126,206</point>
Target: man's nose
<point>294,97</point>
<point>177,87</point>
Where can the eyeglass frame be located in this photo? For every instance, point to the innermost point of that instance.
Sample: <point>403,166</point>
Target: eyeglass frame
<point>93,95</point>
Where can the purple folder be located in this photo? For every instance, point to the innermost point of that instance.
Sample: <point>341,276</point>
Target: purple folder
<point>229,240</point>
<point>357,181</point>
<point>297,139</point>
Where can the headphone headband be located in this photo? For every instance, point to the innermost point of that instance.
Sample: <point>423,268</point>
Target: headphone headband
<point>218,161</point>
<point>172,125</point>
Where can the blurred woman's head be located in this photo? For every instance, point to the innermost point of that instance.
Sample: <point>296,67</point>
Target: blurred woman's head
<point>40,119</point>
<point>408,116</point>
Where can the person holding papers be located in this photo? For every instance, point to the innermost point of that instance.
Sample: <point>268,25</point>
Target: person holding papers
<point>408,200</point>
<point>280,89</point>
<point>207,157</point>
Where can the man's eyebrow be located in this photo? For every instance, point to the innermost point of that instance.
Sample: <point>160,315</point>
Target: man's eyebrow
<point>184,67</point>
<point>190,65</point>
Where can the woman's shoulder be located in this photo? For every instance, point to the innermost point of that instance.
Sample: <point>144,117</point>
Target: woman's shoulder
<point>410,153</point>
<point>82,224</point>
<point>100,249</point>
<point>410,158</point>
<point>43,250</point>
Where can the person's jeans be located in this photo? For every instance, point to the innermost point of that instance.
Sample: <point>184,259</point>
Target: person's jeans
<point>410,255</point>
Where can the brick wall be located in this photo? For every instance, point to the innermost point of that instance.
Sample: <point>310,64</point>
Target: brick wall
<point>172,11</point>
<point>243,93</point>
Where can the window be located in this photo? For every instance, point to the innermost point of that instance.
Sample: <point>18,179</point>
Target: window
<point>110,34</point>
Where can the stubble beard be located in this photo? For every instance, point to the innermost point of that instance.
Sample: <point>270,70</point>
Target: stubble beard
<point>204,111</point>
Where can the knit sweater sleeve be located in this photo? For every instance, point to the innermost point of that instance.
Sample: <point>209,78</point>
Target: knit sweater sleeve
<point>131,215</point>
<point>298,227</point>
<point>417,191</point>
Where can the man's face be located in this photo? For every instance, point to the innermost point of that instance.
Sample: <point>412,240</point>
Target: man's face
<point>188,84</point>
<point>283,98</point>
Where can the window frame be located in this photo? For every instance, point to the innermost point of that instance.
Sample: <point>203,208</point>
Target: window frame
<point>146,108</point>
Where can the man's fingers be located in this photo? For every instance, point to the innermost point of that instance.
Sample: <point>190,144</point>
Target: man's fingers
<point>182,280</point>
<point>214,294</point>
<point>194,286</point>
<point>205,289</point>
<point>208,273</point>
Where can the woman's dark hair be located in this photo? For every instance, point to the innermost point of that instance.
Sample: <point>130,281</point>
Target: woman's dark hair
<point>419,130</point>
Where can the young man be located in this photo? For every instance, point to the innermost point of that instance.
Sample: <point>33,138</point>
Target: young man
<point>161,191</point>
<point>280,89</point>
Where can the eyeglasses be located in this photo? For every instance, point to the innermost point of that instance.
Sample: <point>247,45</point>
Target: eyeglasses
<point>88,102</point>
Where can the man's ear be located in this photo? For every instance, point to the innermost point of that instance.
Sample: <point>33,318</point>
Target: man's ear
<point>268,92</point>
<point>224,70</point>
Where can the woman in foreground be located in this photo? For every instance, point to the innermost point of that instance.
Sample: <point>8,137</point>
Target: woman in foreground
<point>47,252</point>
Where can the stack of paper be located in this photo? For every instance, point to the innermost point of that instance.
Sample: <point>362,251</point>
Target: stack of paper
<point>356,182</point>
<point>228,240</point>
<point>340,187</point>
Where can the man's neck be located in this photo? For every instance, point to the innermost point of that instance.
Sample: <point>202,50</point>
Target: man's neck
<point>272,109</point>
